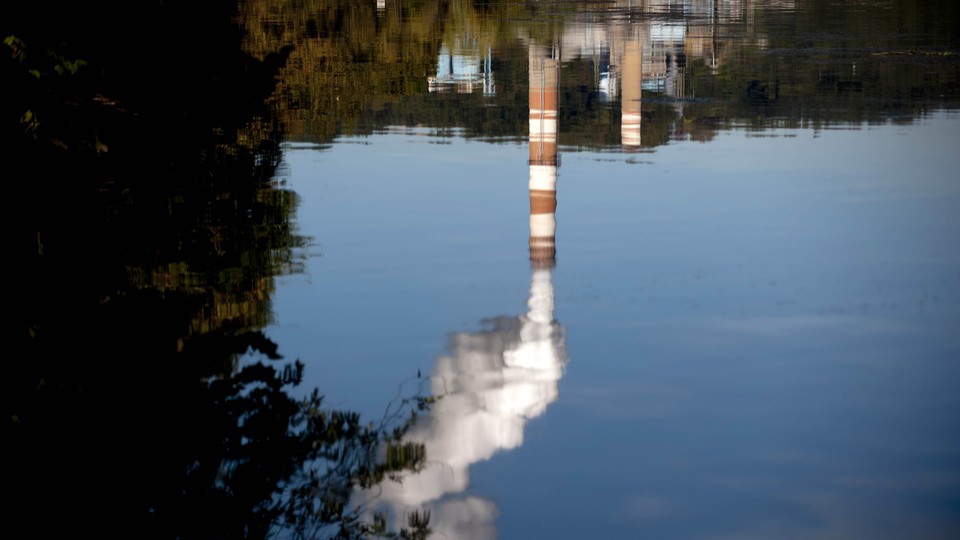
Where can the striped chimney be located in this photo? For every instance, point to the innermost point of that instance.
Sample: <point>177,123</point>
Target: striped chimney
<point>544,68</point>
<point>630,97</point>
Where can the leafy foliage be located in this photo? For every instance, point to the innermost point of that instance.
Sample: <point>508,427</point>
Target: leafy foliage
<point>151,229</point>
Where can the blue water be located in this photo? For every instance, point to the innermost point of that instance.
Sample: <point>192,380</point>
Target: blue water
<point>761,332</point>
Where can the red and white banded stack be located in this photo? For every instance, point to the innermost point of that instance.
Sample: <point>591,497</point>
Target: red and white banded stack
<point>544,67</point>
<point>632,85</point>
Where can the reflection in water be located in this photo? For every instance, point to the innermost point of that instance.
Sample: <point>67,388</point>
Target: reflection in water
<point>493,381</point>
<point>463,68</point>
<point>158,259</point>
<point>706,65</point>
<point>631,99</point>
<point>149,238</point>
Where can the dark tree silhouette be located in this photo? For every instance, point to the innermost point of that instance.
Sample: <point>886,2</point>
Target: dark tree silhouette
<point>142,155</point>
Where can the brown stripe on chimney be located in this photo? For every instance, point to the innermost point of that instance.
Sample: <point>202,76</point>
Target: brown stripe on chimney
<point>544,255</point>
<point>543,153</point>
<point>543,202</point>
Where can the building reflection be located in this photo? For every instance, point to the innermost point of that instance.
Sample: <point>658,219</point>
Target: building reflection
<point>463,67</point>
<point>465,59</point>
<point>635,48</point>
<point>493,381</point>
<point>645,48</point>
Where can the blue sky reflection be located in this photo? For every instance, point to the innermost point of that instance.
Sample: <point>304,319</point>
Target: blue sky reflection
<point>764,329</point>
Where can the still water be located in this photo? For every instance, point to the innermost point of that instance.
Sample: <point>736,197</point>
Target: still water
<point>504,269</point>
<point>739,321</point>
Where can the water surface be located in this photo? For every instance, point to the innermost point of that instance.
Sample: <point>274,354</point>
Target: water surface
<point>613,269</point>
<point>678,269</point>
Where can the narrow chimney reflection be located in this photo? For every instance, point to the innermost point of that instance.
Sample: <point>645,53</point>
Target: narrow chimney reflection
<point>544,79</point>
<point>493,381</point>
<point>632,81</point>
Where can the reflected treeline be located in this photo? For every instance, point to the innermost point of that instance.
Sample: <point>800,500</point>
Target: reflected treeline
<point>148,230</point>
<point>701,65</point>
<point>350,59</point>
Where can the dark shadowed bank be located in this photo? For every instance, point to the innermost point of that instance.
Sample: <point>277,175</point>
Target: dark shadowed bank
<point>145,230</point>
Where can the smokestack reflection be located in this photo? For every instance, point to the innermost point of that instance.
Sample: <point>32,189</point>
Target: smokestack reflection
<point>632,81</point>
<point>544,80</point>
<point>493,381</point>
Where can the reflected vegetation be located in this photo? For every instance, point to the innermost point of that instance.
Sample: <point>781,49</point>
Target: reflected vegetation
<point>701,65</point>
<point>149,233</point>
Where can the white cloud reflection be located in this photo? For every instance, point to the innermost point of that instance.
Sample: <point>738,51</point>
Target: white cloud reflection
<point>488,386</point>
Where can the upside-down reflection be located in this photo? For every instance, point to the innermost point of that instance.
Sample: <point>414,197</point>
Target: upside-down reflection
<point>494,380</point>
